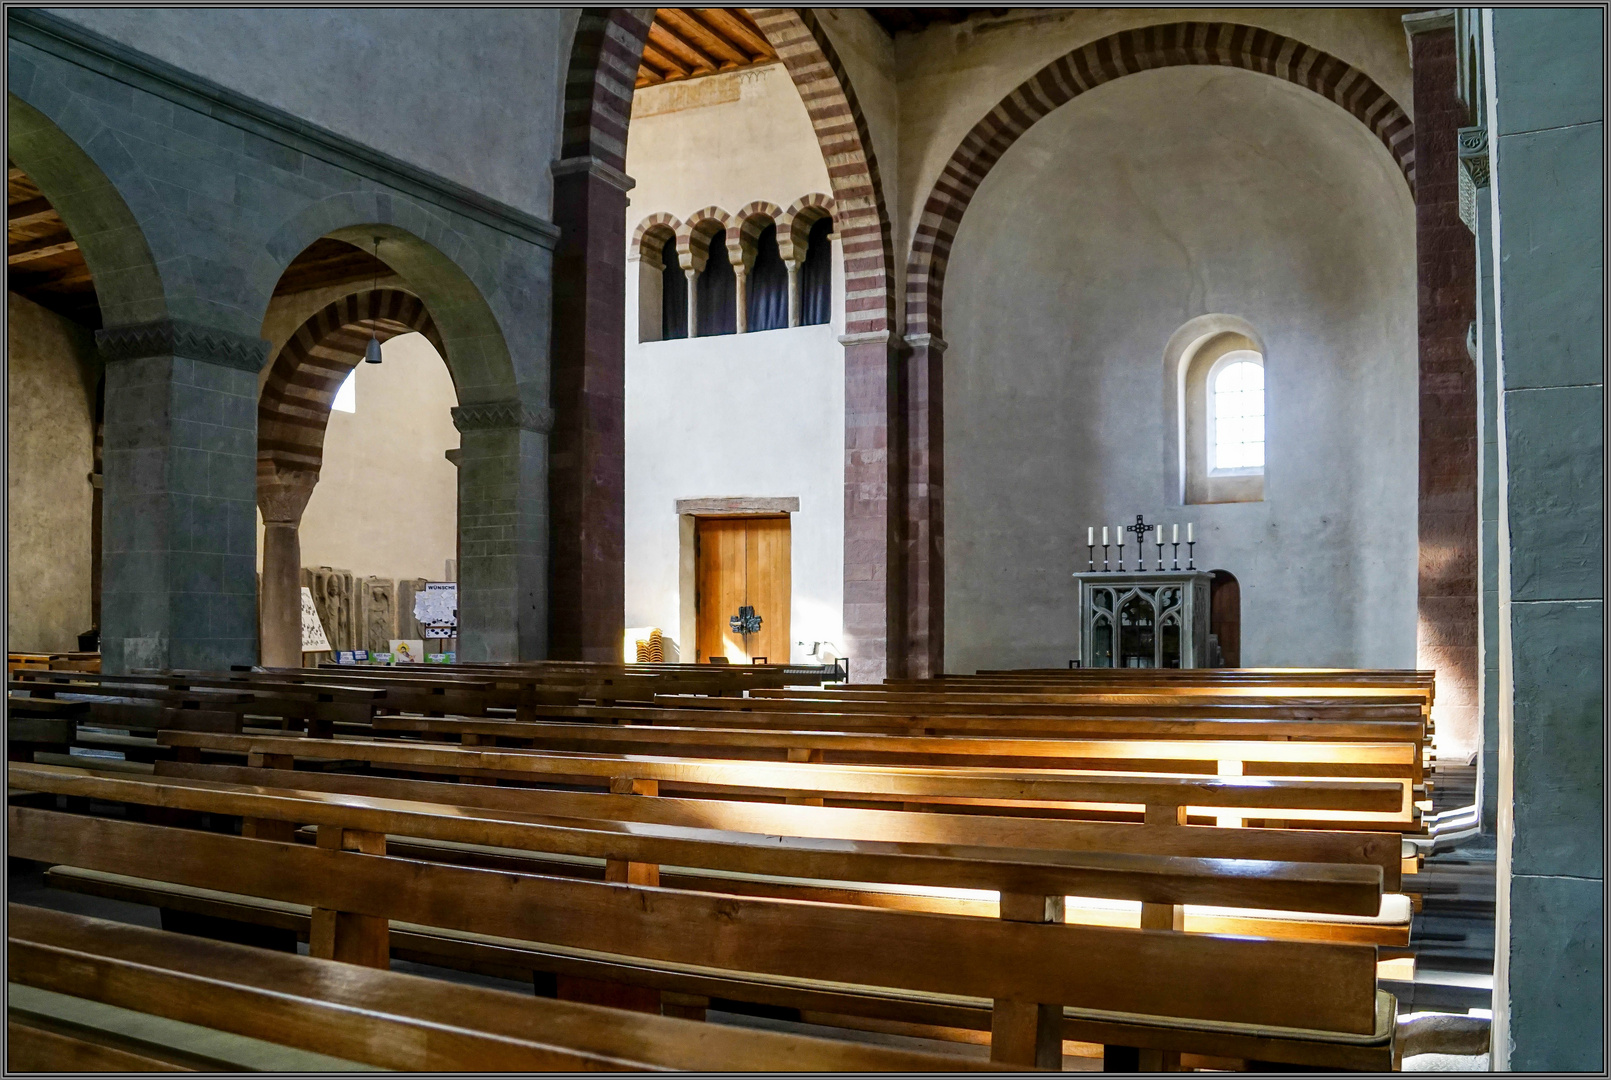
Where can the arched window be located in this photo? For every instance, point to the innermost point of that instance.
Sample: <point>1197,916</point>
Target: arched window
<point>1221,412</point>
<point>673,293</point>
<point>767,303</point>
<point>1236,414</point>
<point>716,300</point>
<point>816,275</point>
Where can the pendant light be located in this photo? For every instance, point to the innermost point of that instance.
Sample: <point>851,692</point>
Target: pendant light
<point>372,350</point>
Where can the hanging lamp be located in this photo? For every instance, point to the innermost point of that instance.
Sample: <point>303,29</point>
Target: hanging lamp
<point>372,350</point>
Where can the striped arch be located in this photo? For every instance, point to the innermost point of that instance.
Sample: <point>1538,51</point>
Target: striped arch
<point>794,228</point>
<point>696,233</point>
<point>751,221</point>
<point>1125,53</point>
<point>649,238</point>
<point>605,54</point>
<point>863,221</point>
<point>294,407</point>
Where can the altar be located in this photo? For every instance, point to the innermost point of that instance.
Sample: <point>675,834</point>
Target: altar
<point>1144,619</point>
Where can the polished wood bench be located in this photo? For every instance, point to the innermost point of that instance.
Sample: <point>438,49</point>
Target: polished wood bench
<point>377,1018</point>
<point>1328,988</point>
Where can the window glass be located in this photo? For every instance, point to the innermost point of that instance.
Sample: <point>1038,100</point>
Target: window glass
<point>347,396</point>
<point>1237,416</point>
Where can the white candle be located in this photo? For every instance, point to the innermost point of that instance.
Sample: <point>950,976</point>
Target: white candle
<point>1090,536</point>
<point>1189,533</point>
<point>1104,536</point>
<point>1118,535</point>
<point>1175,538</point>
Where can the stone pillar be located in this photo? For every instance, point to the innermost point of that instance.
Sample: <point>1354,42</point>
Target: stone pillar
<point>693,305</point>
<point>180,473</point>
<point>741,283</point>
<point>503,530</point>
<point>924,387</point>
<point>1477,212</point>
<point>1446,635</point>
<point>875,576</point>
<point>1543,74</point>
<point>794,291</point>
<point>587,487</point>
<point>282,497</point>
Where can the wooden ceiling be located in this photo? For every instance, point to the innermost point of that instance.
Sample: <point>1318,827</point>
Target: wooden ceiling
<point>685,43</point>
<point>327,262</point>
<point>43,262</point>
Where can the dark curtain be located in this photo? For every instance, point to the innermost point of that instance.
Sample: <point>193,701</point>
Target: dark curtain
<point>767,305</point>
<point>673,294</point>
<point>718,294</point>
<point>816,290</point>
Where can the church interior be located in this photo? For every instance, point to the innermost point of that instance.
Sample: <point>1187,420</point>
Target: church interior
<point>805,539</point>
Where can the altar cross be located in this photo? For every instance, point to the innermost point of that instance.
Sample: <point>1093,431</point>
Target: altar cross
<point>1140,528</point>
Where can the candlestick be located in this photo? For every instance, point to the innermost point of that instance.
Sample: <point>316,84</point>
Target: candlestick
<point>1118,538</point>
<point>1191,546</point>
<point>1090,557</point>
<point>1104,551</point>
<point>1176,565</point>
<point>1160,549</point>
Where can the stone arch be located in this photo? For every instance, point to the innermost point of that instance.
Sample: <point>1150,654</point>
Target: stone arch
<point>649,238</point>
<point>695,235</point>
<point>605,53</point>
<point>128,283</point>
<point>794,225</point>
<point>1126,53</point>
<point>751,221</point>
<point>847,147</point>
<point>294,407</point>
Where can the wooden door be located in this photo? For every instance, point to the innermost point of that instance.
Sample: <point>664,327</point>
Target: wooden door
<point>742,562</point>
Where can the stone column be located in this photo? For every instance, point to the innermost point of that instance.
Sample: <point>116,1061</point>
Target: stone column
<point>587,487</point>
<point>794,291</point>
<point>875,575</point>
<point>1543,77</point>
<point>282,497</point>
<point>741,322</point>
<point>503,530</point>
<point>1446,637</point>
<point>924,392</point>
<point>693,302</point>
<point>180,473</point>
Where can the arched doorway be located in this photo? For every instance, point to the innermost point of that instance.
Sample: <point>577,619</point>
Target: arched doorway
<point>1225,616</point>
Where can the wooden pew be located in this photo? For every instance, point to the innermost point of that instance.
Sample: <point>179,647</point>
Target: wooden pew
<point>1164,797</point>
<point>1027,969</point>
<point>378,1018</point>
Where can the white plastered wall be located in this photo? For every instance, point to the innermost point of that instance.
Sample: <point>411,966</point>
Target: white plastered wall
<point>748,415</point>
<point>1146,203</point>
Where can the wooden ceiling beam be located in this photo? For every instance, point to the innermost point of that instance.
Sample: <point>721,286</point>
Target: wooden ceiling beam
<point>669,68</point>
<point>685,23</point>
<point>30,211</point>
<point>25,283</point>
<point>44,248</point>
<point>738,28</point>
<point>691,57</point>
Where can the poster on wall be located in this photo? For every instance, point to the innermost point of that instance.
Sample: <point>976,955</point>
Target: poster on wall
<point>313,639</point>
<point>437,607</point>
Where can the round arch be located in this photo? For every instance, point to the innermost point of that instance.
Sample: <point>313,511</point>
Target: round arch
<point>128,283</point>
<point>1113,57</point>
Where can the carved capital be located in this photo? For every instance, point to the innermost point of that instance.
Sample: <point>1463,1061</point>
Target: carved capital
<point>502,416</point>
<point>282,495</point>
<point>596,168</point>
<point>175,337</point>
<point>1472,144</point>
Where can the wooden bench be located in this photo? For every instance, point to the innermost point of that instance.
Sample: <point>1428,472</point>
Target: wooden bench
<point>377,1018</point>
<point>1082,967</point>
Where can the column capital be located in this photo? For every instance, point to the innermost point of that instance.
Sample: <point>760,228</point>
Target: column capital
<point>870,337</point>
<point>282,495</point>
<point>932,342</point>
<point>593,167</point>
<point>176,337</point>
<point>1424,22</point>
<point>503,416</point>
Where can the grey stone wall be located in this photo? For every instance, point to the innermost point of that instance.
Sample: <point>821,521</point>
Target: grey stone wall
<point>1544,77</point>
<point>213,194</point>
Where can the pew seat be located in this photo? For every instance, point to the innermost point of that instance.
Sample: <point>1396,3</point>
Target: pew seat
<point>821,1000</point>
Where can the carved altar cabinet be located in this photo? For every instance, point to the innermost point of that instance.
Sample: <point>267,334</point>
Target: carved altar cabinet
<point>1143,619</point>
